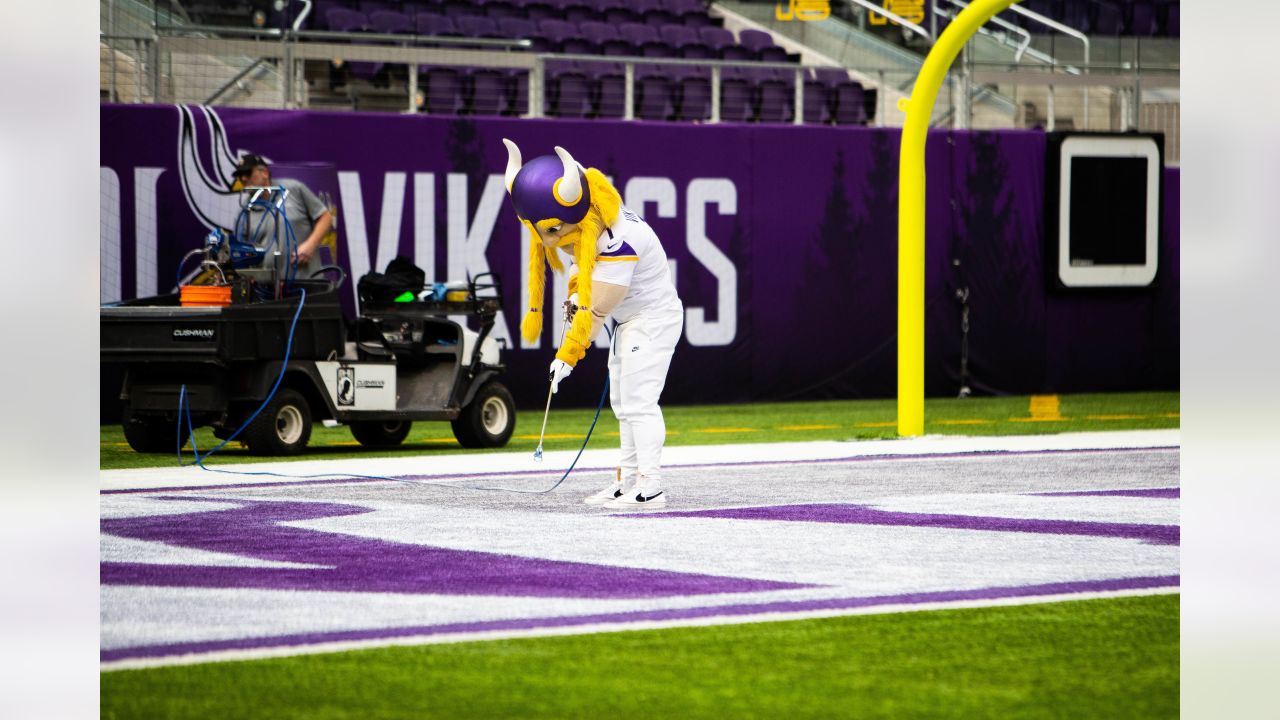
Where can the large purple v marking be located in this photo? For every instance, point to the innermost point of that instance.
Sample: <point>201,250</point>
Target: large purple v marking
<point>355,564</point>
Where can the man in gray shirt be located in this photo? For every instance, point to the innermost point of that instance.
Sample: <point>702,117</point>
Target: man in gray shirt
<point>306,213</point>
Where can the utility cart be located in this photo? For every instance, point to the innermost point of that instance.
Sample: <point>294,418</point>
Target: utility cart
<point>397,363</point>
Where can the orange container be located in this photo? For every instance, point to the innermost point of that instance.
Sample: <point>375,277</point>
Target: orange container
<point>205,295</point>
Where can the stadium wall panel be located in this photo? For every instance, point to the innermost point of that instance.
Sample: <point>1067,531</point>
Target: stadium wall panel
<point>784,241</point>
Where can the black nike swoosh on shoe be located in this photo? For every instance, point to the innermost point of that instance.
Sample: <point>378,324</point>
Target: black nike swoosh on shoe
<point>641,498</point>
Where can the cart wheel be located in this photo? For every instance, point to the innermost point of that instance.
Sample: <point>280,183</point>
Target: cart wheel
<point>381,434</point>
<point>489,420</point>
<point>282,428</point>
<point>152,434</point>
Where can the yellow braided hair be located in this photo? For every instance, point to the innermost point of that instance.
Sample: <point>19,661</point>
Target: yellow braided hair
<point>531,326</point>
<point>605,205</point>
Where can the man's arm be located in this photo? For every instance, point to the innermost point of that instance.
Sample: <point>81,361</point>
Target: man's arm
<point>308,248</point>
<point>321,223</point>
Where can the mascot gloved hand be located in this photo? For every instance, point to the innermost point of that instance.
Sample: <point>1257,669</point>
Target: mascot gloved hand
<point>559,371</point>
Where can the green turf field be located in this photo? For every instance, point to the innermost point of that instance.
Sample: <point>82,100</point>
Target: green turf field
<point>760,422</point>
<point>1103,658</point>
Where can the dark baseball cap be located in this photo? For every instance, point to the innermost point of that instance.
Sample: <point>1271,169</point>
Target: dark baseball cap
<point>248,163</point>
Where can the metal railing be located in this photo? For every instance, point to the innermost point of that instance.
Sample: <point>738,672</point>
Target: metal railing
<point>263,67</point>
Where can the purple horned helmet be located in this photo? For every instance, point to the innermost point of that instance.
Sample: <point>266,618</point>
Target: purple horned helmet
<point>549,186</point>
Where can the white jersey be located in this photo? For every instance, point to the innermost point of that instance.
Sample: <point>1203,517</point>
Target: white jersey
<point>630,255</point>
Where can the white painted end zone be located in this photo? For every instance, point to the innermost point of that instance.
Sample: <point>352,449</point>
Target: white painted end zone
<point>448,467</point>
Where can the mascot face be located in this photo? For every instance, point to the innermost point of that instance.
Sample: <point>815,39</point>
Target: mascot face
<point>557,234</point>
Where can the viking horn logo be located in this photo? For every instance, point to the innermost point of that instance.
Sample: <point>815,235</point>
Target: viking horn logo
<point>209,194</point>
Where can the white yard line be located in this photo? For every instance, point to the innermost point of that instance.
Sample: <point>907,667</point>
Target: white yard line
<point>463,467</point>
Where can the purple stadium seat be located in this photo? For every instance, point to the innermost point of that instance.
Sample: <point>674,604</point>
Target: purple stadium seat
<point>619,15</point>
<point>613,12</point>
<point>437,25</point>
<point>754,40</point>
<point>538,11</point>
<point>609,81</point>
<point>716,38</point>
<point>737,52</point>
<point>646,39</point>
<point>369,7</point>
<point>850,104</point>
<point>499,9</point>
<point>521,29</point>
<point>655,99</point>
<point>489,95</point>
<point>817,103</point>
<point>685,10</point>
<point>579,45</point>
<point>689,12</point>
<point>776,90</point>
<point>456,9</point>
<point>477,26</point>
<point>346,20</point>
<point>555,32</point>
<point>1108,19</point>
<point>737,101</point>
<point>694,85</point>
<point>443,94</point>
<point>570,90</point>
<point>618,45</point>
<point>773,53</point>
<point>597,32</point>
<point>650,12</point>
<point>1142,19</point>
<point>581,12</point>
<point>830,76</point>
<point>387,21</point>
<point>686,42</point>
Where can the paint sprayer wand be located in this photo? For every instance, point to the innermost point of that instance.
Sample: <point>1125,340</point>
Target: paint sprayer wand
<point>537,454</point>
<point>569,309</point>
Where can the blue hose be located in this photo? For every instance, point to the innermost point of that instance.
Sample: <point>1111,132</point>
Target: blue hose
<point>199,459</point>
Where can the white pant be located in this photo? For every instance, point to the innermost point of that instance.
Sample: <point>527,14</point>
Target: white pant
<point>639,357</point>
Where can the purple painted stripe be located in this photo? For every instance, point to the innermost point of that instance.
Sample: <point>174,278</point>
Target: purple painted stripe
<point>1143,493</point>
<point>993,593</point>
<point>349,563</point>
<point>743,463</point>
<point>864,515</point>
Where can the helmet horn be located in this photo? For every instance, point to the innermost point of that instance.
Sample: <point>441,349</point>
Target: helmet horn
<point>569,188</point>
<point>514,162</point>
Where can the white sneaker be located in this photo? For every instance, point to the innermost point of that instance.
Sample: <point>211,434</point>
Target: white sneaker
<point>639,497</point>
<point>615,490</point>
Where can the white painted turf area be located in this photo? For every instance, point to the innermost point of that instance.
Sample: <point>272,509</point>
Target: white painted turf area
<point>753,533</point>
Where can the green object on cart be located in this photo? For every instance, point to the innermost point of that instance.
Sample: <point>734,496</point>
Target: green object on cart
<point>406,297</point>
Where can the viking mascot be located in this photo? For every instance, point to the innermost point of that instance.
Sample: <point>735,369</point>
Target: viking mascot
<point>617,271</point>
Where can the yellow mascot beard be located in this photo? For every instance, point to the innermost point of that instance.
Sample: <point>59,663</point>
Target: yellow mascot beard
<point>605,205</point>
